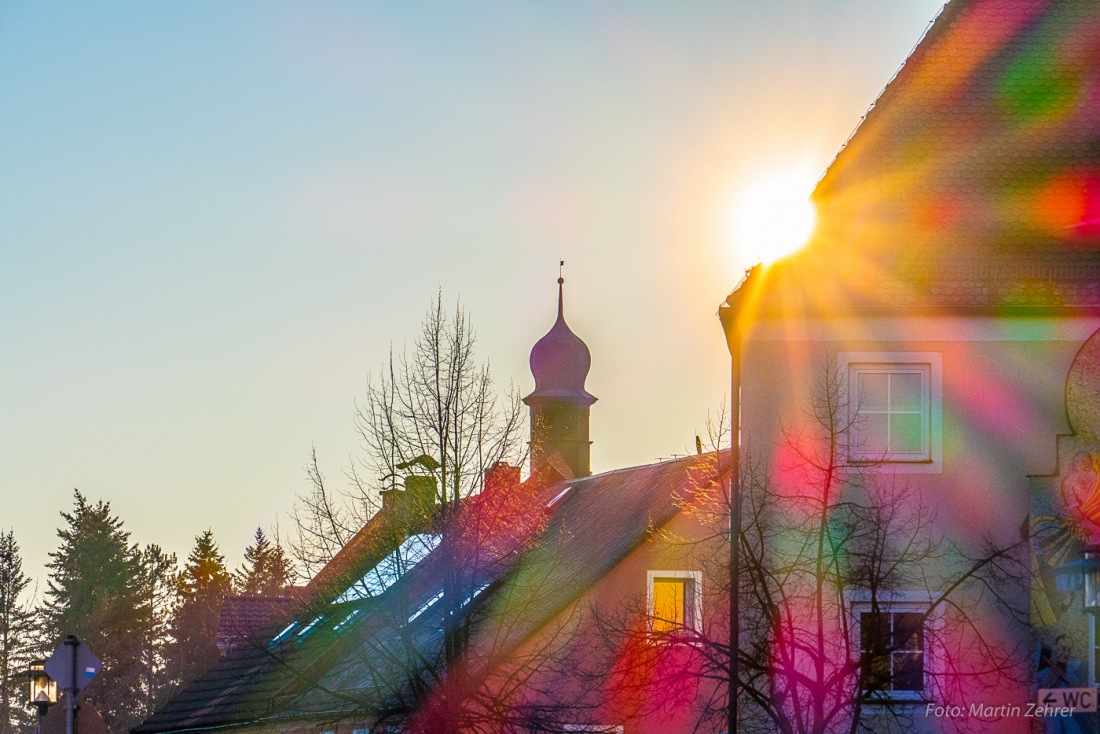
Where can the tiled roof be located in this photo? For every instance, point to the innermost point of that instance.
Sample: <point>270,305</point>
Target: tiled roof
<point>244,617</point>
<point>975,178</point>
<point>340,670</point>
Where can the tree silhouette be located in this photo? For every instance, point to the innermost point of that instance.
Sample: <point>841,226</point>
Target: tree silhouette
<point>266,570</point>
<point>201,587</point>
<point>103,589</point>
<point>19,637</point>
<point>433,410</point>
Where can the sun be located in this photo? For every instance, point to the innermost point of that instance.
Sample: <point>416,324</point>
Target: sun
<point>772,216</point>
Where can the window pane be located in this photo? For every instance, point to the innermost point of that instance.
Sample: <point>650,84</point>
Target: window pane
<point>872,391</point>
<point>876,672</point>
<point>873,431</point>
<point>907,433</point>
<point>873,634</point>
<point>905,391</point>
<point>908,671</point>
<point>668,604</point>
<point>908,632</point>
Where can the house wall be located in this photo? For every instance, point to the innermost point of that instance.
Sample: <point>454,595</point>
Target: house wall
<point>1003,407</point>
<point>1003,402</point>
<point>606,641</point>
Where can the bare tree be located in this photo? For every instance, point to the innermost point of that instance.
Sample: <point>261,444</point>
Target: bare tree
<point>852,601</point>
<point>432,425</point>
<point>433,406</point>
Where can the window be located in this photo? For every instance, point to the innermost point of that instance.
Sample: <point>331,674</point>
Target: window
<point>891,653</point>
<point>425,606</point>
<point>305,631</point>
<point>284,634</point>
<point>412,551</point>
<point>895,409</point>
<point>893,635</point>
<point>343,623</point>
<point>674,600</point>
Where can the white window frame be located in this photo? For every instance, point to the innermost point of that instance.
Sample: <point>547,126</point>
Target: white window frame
<point>693,607</point>
<point>930,366</point>
<point>895,603</point>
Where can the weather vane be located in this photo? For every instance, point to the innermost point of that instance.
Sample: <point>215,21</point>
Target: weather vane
<point>561,264</point>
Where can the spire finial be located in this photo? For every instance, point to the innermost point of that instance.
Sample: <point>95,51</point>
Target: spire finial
<point>561,280</point>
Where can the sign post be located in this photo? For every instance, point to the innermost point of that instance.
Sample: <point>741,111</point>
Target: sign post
<point>73,666</point>
<point>1060,701</point>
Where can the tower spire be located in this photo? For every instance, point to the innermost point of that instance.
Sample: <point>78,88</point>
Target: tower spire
<point>559,404</point>
<point>561,282</point>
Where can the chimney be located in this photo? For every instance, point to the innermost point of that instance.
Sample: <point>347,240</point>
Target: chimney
<point>417,498</point>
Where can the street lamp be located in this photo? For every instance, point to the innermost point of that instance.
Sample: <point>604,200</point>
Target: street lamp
<point>41,691</point>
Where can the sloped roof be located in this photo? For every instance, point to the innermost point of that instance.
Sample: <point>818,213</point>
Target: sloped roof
<point>975,178</point>
<point>243,617</point>
<point>563,538</point>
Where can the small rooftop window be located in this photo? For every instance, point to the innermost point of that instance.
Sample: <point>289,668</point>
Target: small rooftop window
<point>475,593</point>
<point>412,551</point>
<point>347,620</point>
<point>284,634</point>
<point>560,494</point>
<point>304,632</point>
<point>425,606</point>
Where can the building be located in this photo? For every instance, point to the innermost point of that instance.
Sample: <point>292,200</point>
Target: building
<point>950,299</point>
<point>918,394</point>
<point>554,603</point>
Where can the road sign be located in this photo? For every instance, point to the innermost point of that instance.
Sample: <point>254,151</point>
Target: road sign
<point>1077,700</point>
<point>72,664</point>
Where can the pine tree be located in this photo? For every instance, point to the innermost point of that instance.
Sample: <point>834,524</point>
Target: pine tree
<point>18,637</point>
<point>201,588</point>
<point>99,589</point>
<point>266,570</point>
<point>159,575</point>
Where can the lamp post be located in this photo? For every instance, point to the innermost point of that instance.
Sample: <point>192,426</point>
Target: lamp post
<point>41,691</point>
<point>731,314</point>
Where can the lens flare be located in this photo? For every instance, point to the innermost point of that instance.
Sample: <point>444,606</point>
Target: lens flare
<point>773,216</point>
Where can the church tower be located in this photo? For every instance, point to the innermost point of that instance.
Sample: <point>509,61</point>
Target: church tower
<point>559,404</point>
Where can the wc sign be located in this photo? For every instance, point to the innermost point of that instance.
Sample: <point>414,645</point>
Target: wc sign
<point>1068,700</point>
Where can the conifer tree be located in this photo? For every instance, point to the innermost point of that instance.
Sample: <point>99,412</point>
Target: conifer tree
<point>18,636</point>
<point>159,576</point>
<point>266,570</point>
<point>99,590</point>
<point>201,588</point>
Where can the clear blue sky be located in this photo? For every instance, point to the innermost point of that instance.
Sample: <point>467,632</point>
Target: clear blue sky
<point>216,217</point>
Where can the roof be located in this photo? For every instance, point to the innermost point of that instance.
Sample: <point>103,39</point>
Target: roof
<point>538,548</point>
<point>243,617</point>
<point>974,180</point>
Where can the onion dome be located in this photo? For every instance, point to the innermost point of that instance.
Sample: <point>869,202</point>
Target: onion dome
<point>560,362</point>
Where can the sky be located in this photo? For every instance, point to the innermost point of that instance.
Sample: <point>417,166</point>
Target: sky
<point>217,219</point>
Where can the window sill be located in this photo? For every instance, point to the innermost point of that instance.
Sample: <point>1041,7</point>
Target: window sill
<point>895,698</point>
